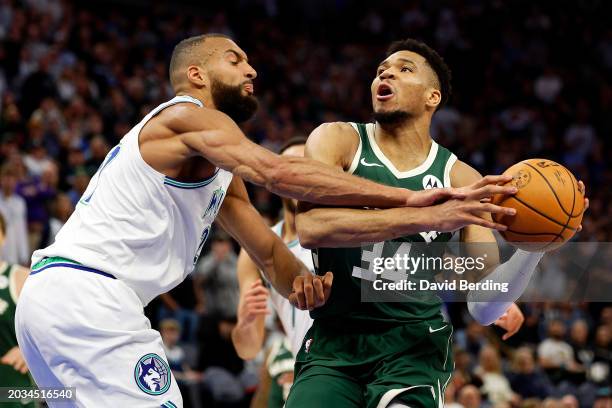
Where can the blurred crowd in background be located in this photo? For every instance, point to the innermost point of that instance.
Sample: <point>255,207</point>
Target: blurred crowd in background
<point>529,81</point>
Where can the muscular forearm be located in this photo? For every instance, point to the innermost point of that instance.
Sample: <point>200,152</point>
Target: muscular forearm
<point>346,227</point>
<point>282,268</point>
<point>487,306</point>
<point>248,339</point>
<point>312,181</point>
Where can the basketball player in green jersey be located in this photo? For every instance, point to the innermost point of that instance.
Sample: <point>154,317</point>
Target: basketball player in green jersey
<point>390,354</point>
<point>13,368</point>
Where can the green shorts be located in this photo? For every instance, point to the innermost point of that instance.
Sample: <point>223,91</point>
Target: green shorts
<point>367,367</point>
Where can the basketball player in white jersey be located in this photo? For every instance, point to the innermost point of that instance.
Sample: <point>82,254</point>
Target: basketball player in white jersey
<point>142,221</point>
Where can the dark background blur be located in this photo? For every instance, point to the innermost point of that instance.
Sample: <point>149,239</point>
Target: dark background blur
<point>530,79</point>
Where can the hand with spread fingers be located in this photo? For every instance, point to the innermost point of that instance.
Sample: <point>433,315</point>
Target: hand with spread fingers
<point>311,291</point>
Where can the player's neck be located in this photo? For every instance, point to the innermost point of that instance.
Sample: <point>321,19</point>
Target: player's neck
<point>203,97</point>
<point>410,137</point>
<point>288,233</point>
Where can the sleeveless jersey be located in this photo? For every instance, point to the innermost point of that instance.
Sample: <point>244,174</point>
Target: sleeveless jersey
<point>133,222</point>
<point>8,304</point>
<point>295,322</point>
<point>349,265</point>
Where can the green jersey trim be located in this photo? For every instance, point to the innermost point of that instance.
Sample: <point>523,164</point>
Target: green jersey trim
<point>12,284</point>
<point>52,260</point>
<point>420,169</point>
<point>447,169</point>
<point>355,161</point>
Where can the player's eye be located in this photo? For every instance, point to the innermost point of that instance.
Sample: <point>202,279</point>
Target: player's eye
<point>404,69</point>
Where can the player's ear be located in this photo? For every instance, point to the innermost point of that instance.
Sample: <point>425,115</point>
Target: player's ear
<point>434,97</point>
<point>197,76</point>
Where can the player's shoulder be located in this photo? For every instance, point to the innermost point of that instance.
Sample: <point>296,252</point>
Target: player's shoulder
<point>336,141</point>
<point>188,117</point>
<point>462,174</point>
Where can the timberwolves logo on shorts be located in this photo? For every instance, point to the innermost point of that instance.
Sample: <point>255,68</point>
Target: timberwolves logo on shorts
<point>152,374</point>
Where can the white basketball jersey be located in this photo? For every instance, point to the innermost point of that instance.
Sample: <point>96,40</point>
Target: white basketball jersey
<point>296,322</point>
<point>137,224</point>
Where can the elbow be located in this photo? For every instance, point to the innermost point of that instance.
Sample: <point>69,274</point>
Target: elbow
<point>244,351</point>
<point>245,354</point>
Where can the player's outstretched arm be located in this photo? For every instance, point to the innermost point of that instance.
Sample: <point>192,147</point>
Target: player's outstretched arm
<point>214,135</point>
<point>488,307</point>
<point>248,334</point>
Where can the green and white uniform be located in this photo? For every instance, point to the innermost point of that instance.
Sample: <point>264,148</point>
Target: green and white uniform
<point>9,377</point>
<point>280,361</point>
<point>367,353</point>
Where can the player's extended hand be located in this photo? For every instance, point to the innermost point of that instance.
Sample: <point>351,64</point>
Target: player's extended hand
<point>582,189</point>
<point>15,359</point>
<point>254,303</point>
<point>475,207</point>
<point>311,291</point>
<point>431,196</point>
<point>511,321</point>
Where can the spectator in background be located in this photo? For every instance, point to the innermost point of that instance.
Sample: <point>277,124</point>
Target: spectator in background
<point>469,397</point>
<point>526,378</point>
<point>62,209</point>
<point>579,334</point>
<point>472,338</point>
<point>38,192</point>
<point>602,361</point>
<point>170,331</point>
<point>187,379</point>
<point>215,282</point>
<point>16,249</point>
<point>555,355</point>
<point>494,384</point>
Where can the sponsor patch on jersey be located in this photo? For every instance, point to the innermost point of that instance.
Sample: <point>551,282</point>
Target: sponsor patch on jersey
<point>431,181</point>
<point>152,374</point>
<point>307,345</point>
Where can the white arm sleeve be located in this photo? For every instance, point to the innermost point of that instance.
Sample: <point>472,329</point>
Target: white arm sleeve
<point>487,306</point>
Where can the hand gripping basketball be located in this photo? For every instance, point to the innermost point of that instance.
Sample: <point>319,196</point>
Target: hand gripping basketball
<point>311,291</point>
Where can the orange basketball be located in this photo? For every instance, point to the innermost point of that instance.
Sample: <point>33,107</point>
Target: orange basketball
<point>549,205</point>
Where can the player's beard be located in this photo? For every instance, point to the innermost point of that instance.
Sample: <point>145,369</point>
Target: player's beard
<point>230,100</point>
<point>392,117</point>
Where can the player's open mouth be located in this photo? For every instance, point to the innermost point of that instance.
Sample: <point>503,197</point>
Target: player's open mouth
<point>249,89</point>
<point>384,92</point>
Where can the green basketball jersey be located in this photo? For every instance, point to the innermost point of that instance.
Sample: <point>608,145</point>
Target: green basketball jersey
<point>8,296</point>
<point>349,265</point>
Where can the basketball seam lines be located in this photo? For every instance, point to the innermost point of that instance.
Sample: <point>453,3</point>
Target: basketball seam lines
<point>533,233</point>
<point>569,216</point>
<point>552,189</point>
<point>543,215</point>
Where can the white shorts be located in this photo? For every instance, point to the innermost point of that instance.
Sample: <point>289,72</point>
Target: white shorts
<point>77,328</point>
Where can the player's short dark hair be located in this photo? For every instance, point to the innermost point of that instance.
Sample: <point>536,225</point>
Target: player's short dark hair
<point>183,49</point>
<point>294,141</point>
<point>435,61</point>
<point>2,225</point>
